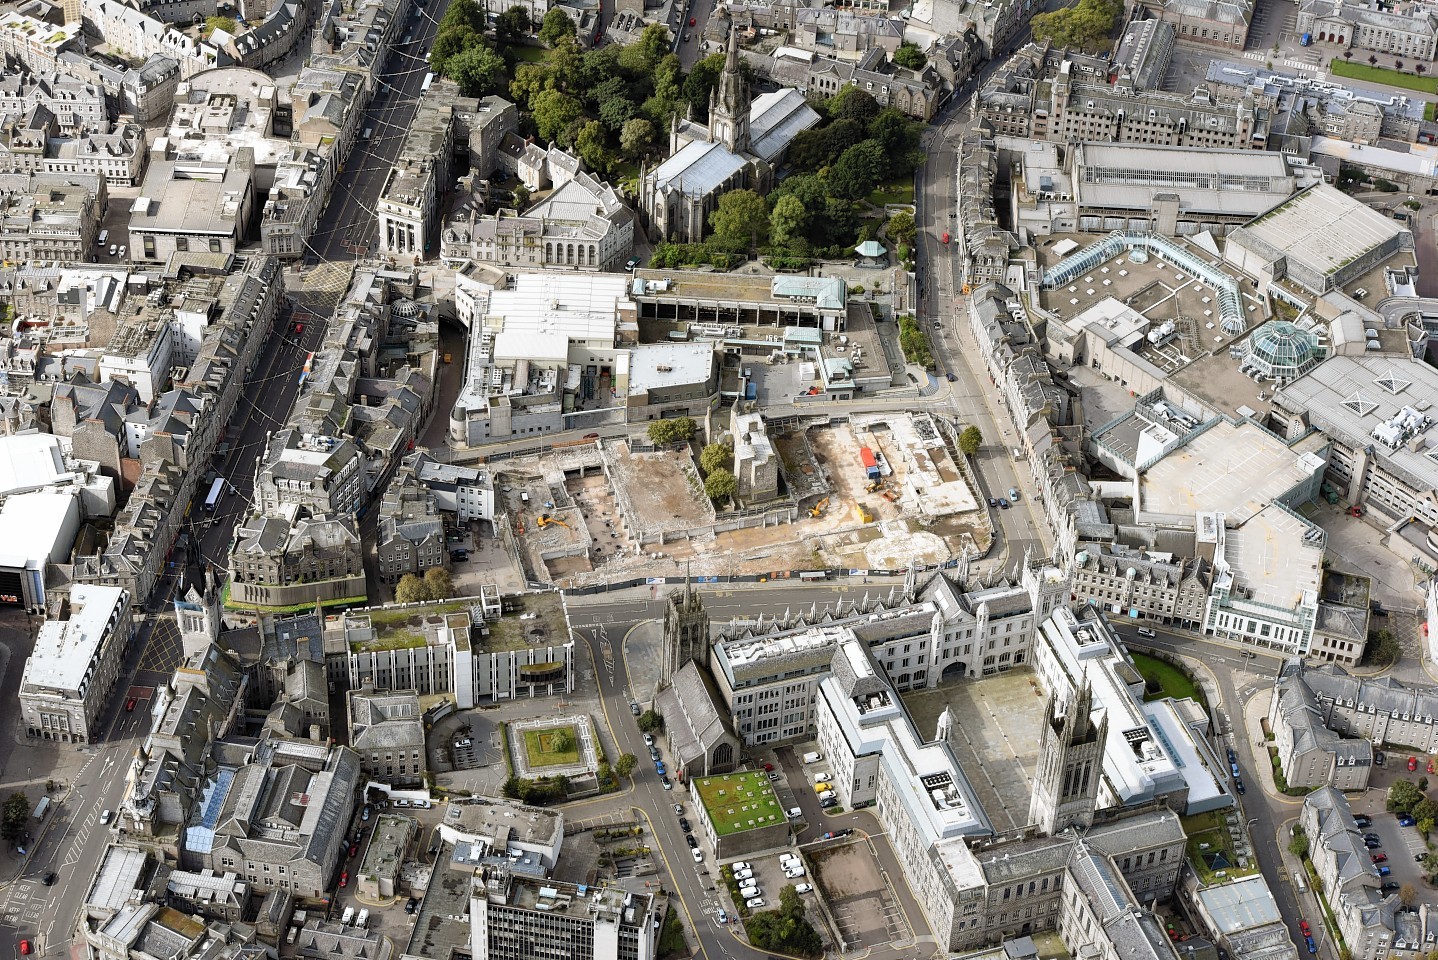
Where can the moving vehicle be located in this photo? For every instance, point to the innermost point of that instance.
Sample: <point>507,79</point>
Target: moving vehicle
<point>945,238</point>
<point>25,948</point>
<point>691,21</point>
<point>723,917</point>
<point>217,489</point>
<point>299,329</point>
<point>1146,632</point>
<point>428,81</point>
<point>1013,494</point>
<point>1003,503</point>
<point>49,879</point>
<point>130,705</point>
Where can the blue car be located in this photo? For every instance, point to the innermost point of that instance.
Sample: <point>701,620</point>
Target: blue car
<point>1406,821</point>
<point>660,769</point>
<point>1384,871</point>
<point>1312,947</point>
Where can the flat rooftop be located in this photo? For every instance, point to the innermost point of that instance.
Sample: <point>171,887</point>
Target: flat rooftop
<point>736,802</point>
<point>1224,182</point>
<point>1234,469</point>
<point>1273,557</point>
<point>29,461</point>
<point>65,649</point>
<point>1322,228</point>
<point>1348,397</point>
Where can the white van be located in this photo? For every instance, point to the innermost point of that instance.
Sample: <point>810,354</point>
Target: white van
<point>104,235</point>
<point>362,921</point>
<point>822,778</point>
<point>812,757</point>
<point>368,132</point>
<point>795,813</point>
<point>349,915</point>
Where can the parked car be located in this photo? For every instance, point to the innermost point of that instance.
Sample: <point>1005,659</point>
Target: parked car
<point>664,782</point>
<point>803,888</point>
<point>367,812</point>
<point>1371,836</point>
<point>689,839</point>
<point>1003,504</point>
<point>698,855</point>
<point>768,768</point>
<point>24,948</point>
<point>722,917</point>
<point>345,879</point>
<point>1406,821</point>
<point>1412,764</point>
<point>679,809</point>
<point>634,708</point>
<point>1384,871</point>
<point>649,739</point>
<point>1379,757</point>
<point>738,865</point>
<point>105,816</point>
<point>1363,821</point>
<point>795,873</point>
<point>130,704</point>
<point>993,501</point>
<point>412,905</point>
<point>1304,928</point>
<point>1379,857</point>
<point>1373,844</point>
<point>684,825</point>
<point>754,903</point>
<point>1312,947</point>
<point>743,874</point>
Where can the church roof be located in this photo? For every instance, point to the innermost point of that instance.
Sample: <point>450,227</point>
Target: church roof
<point>775,119</point>
<point>698,169</point>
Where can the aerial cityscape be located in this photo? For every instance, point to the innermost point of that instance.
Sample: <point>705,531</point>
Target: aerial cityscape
<point>651,479</point>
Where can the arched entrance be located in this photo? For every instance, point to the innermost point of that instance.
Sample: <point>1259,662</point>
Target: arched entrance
<point>954,671</point>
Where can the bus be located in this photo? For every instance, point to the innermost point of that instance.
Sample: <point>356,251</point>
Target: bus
<point>428,79</point>
<point>307,369</point>
<point>216,490</point>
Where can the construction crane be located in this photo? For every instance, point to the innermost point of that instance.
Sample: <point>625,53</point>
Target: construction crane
<point>545,520</point>
<point>818,510</point>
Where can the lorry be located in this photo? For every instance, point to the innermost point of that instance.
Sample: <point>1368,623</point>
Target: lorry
<point>870,462</point>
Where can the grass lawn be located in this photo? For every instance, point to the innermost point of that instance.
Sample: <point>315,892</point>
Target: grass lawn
<point>539,746</point>
<point>1393,78</point>
<point>895,191</point>
<point>737,802</point>
<point>1172,681</point>
<point>1208,835</point>
<point>1430,111</point>
<point>524,54</point>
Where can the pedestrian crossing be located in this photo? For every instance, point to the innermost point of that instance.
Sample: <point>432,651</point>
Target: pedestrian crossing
<point>1262,57</point>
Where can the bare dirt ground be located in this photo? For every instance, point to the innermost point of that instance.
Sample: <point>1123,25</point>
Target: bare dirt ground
<point>659,490</point>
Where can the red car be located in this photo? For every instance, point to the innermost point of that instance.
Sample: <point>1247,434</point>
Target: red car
<point>945,238</point>
<point>1380,857</point>
<point>299,328</point>
<point>691,21</point>
<point>354,849</point>
<point>1430,765</point>
<point>130,704</point>
<point>345,879</point>
<point>1303,926</point>
<point>24,948</point>
<point>768,768</point>
<point>1412,764</point>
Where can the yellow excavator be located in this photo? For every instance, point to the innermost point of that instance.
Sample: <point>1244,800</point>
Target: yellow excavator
<point>818,509</point>
<point>875,484</point>
<point>545,520</point>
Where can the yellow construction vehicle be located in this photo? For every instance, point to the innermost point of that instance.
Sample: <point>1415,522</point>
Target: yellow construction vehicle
<point>875,484</point>
<point>818,510</point>
<point>545,520</point>
<point>865,515</point>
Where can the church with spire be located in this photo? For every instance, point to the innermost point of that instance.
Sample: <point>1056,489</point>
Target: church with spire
<point>740,146</point>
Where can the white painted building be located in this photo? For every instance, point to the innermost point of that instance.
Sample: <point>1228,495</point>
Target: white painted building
<point>74,666</point>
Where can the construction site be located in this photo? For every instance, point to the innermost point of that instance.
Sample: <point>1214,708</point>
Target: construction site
<point>874,492</point>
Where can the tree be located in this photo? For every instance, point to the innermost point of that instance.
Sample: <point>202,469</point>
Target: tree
<point>1298,846</point>
<point>553,111</point>
<point>741,220</point>
<point>1383,648</point>
<point>451,42</point>
<point>562,741</point>
<point>625,765</point>
<point>1424,809</point>
<point>858,168</point>
<point>790,905</point>
<point>511,787</point>
<point>512,24</point>
<point>643,55</point>
<point>555,27</point>
<point>1407,894</point>
<point>788,219</point>
<point>479,71</point>
<point>636,137</point>
<point>970,440</point>
<point>226,24</point>
<point>463,13</point>
<point>672,430</point>
<point>720,485</point>
<point>914,342</point>
<point>902,229</point>
<point>1403,797</point>
<point>616,112</point>
<point>899,137</point>
<point>716,456</point>
<point>520,196</point>
<point>650,720</point>
<point>438,583</point>
<point>1424,826</point>
<point>14,815</point>
<point>909,55</point>
<point>593,147</point>
<point>410,589</point>
<point>702,79</point>
<point>851,103</point>
<point>1084,26</point>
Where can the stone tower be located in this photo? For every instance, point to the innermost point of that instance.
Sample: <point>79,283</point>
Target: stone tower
<point>1070,764</point>
<point>198,615</point>
<point>729,103</point>
<point>686,632</point>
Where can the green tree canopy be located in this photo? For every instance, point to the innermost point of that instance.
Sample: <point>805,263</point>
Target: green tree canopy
<point>13,816</point>
<point>970,440</point>
<point>858,169</point>
<point>1403,796</point>
<point>702,79</point>
<point>512,24</point>
<point>716,456</point>
<point>741,220</point>
<point>909,55</point>
<point>720,485</point>
<point>651,720</point>
<point>1383,649</point>
<point>226,24</point>
<point>438,583</point>
<point>902,229</point>
<point>625,765</point>
<point>898,134</point>
<point>479,71</point>
<point>788,219</point>
<point>555,27</point>
<point>463,13</point>
<point>562,741</point>
<point>451,42</point>
<point>616,112</point>
<point>1084,26</point>
<point>593,147</point>
<point>553,112</point>
<point>854,104</point>
<point>642,56</point>
<point>410,589</point>
<point>671,430</point>
<point>636,137</point>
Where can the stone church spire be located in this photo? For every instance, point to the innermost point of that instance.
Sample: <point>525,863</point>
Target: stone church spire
<point>729,103</point>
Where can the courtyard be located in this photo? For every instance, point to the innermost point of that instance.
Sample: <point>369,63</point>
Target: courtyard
<point>552,746</point>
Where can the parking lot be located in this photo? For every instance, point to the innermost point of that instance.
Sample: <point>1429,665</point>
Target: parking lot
<point>859,897</point>
<point>1402,845</point>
